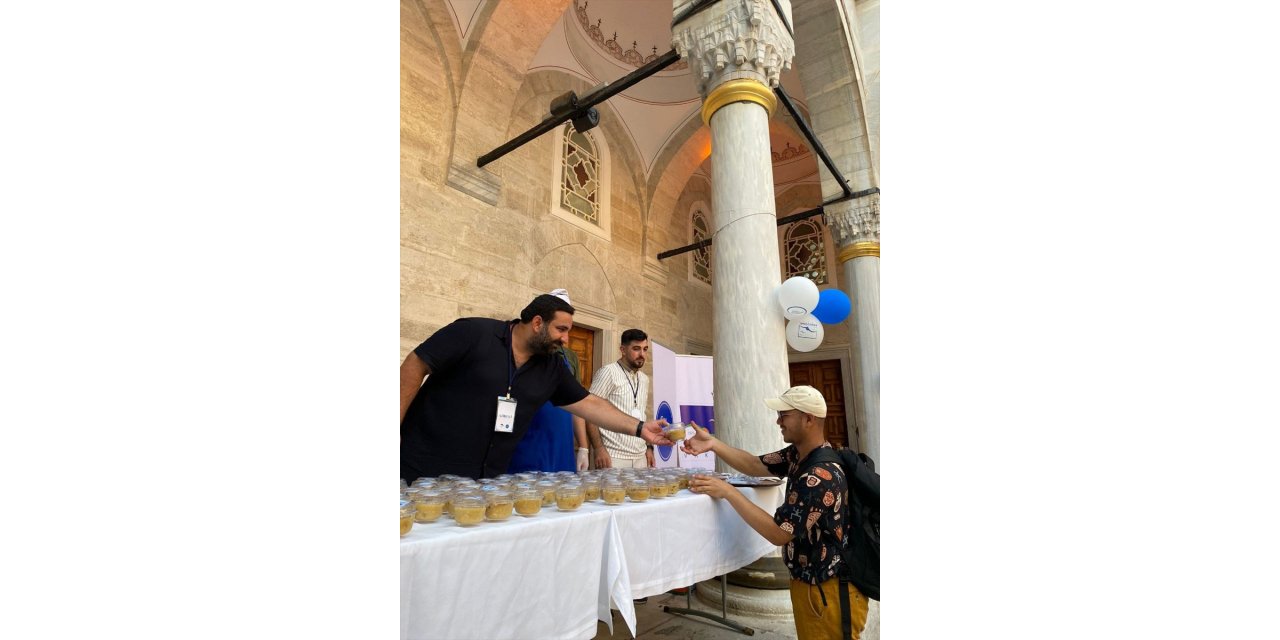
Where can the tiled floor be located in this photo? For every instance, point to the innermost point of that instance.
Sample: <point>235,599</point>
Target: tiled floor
<point>652,623</point>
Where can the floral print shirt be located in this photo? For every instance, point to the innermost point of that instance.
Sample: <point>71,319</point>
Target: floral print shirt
<point>814,512</point>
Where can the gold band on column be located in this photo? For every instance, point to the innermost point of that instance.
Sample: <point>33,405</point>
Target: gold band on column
<point>738,91</point>
<point>859,250</point>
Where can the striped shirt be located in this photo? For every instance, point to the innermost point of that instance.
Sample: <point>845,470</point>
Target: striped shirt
<point>615,382</point>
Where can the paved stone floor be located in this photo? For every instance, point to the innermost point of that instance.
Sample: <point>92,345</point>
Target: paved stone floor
<point>652,623</point>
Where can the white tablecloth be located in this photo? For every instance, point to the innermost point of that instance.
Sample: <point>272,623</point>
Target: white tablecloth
<point>554,575</point>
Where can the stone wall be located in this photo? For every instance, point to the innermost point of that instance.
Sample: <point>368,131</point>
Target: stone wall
<point>461,256</point>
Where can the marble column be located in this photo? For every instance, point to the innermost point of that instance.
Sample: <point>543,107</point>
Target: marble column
<point>737,50</point>
<point>855,227</point>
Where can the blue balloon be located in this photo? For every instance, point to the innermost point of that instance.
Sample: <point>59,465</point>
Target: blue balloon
<point>833,306</point>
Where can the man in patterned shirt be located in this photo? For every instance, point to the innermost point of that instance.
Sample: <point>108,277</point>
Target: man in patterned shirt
<point>811,521</point>
<point>627,387</point>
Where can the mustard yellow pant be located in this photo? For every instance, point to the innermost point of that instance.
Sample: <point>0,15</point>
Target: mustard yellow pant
<point>816,620</point>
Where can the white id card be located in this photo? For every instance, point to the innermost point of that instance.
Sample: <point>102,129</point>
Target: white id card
<point>637,413</point>
<point>506,415</point>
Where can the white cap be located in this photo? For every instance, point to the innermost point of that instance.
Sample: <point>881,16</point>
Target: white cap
<point>803,398</point>
<point>562,294</point>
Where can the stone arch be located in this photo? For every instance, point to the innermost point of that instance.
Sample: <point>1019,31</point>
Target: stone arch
<point>678,162</point>
<point>793,198</point>
<point>429,67</point>
<point>497,57</point>
<point>696,189</point>
<point>673,153</point>
<point>834,92</point>
<point>672,174</point>
<point>574,267</point>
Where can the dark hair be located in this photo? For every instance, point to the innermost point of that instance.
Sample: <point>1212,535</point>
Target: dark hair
<point>544,306</point>
<point>632,335</point>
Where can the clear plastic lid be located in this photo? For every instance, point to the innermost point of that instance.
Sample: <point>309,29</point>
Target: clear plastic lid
<point>429,496</point>
<point>499,497</point>
<point>676,431</point>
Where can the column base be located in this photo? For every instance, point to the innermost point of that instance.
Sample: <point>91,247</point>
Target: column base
<point>768,572</point>
<point>872,630</point>
<point>745,601</point>
<point>767,602</point>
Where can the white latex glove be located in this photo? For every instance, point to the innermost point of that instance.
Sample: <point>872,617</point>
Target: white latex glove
<point>582,460</point>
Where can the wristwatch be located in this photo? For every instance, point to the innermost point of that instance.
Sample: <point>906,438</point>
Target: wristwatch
<point>639,428</point>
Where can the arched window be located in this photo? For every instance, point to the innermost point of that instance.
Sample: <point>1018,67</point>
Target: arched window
<point>805,251</point>
<point>701,263</point>
<point>580,194</point>
<point>580,176</point>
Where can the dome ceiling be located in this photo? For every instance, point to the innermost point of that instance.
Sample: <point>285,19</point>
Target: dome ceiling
<point>603,40</point>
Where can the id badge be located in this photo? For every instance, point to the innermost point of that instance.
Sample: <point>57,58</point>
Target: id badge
<point>637,413</point>
<point>506,415</point>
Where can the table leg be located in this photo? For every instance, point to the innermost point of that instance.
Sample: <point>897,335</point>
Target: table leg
<point>723,618</point>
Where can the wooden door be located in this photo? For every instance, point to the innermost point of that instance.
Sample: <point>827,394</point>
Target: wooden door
<point>582,341</point>
<point>825,376</point>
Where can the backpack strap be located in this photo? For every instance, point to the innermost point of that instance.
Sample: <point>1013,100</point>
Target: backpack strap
<point>815,457</point>
<point>821,455</point>
<point>846,622</point>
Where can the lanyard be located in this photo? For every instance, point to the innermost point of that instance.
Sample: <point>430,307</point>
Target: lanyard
<point>511,360</point>
<point>635,388</point>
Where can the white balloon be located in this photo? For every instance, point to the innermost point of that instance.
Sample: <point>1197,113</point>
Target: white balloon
<point>805,333</point>
<point>797,296</point>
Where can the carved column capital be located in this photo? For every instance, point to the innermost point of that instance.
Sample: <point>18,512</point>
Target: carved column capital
<point>855,221</point>
<point>732,40</point>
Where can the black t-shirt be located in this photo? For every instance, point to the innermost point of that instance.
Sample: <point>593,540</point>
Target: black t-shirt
<point>448,427</point>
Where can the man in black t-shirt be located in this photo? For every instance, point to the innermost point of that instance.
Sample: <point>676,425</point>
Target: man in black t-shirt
<point>485,379</point>
<point>811,521</point>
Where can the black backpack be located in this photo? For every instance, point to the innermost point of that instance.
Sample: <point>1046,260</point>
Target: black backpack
<point>860,554</point>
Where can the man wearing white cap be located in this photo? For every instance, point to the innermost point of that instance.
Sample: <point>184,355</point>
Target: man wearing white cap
<point>810,523</point>
<point>556,440</point>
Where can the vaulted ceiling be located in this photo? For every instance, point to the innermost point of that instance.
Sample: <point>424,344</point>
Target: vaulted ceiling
<point>600,41</point>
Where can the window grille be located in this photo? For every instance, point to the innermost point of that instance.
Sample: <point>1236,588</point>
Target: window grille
<point>702,256</point>
<point>806,252</point>
<point>580,184</point>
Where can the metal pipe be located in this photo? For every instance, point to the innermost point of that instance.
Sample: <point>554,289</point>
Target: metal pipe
<point>685,249</point>
<point>812,212</point>
<point>781,221</point>
<point>813,139</point>
<point>585,103</point>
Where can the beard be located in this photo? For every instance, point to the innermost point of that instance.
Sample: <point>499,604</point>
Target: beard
<point>542,343</point>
